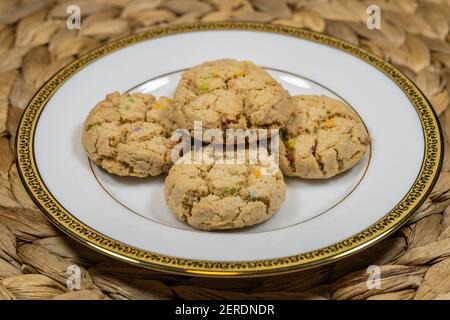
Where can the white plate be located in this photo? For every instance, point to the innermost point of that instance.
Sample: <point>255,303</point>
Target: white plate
<point>319,222</point>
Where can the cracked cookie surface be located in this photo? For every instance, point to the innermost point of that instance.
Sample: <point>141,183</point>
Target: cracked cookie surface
<point>323,138</point>
<point>129,134</point>
<point>230,94</point>
<point>215,195</point>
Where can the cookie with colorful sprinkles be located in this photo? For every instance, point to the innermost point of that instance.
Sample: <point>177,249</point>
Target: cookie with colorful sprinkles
<point>323,138</point>
<point>213,195</point>
<point>129,134</point>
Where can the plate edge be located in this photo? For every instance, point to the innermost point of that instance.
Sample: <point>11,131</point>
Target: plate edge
<point>385,226</point>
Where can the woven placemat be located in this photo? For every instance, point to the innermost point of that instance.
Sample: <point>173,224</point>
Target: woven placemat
<point>35,257</point>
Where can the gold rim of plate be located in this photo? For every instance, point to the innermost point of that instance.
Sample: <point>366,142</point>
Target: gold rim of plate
<point>63,219</point>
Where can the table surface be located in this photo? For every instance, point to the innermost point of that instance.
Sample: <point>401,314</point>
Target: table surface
<point>35,43</point>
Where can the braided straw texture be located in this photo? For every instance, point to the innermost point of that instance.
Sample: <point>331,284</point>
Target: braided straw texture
<point>35,43</point>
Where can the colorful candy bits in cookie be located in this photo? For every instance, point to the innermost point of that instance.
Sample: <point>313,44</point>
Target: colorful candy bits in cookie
<point>118,136</point>
<point>218,196</point>
<point>230,94</point>
<point>323,138</point>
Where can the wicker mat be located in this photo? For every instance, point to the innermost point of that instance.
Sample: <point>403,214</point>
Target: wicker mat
<point>35,43</point>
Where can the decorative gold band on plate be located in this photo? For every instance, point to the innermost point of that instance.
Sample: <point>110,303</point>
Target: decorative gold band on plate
<point>63,219</point>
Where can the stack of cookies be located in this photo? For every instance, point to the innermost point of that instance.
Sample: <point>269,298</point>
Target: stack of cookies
<point>134,135</point>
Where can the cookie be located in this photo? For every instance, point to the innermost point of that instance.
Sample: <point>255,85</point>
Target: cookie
<point>128,135</point>
<point>323,138</point>
<point>215,195</point>
<point>230,94</point>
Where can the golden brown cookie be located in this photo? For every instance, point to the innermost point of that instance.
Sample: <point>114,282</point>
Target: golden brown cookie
<point>323,138</point>
<point>230,94</point>
<point>215,195</point>
<point>129,135</point>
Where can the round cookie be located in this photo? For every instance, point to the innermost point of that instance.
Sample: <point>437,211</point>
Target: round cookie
<point>323,138</point>
<point>215,195</point>
<point>230,94</point>
<point>129,135</point>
